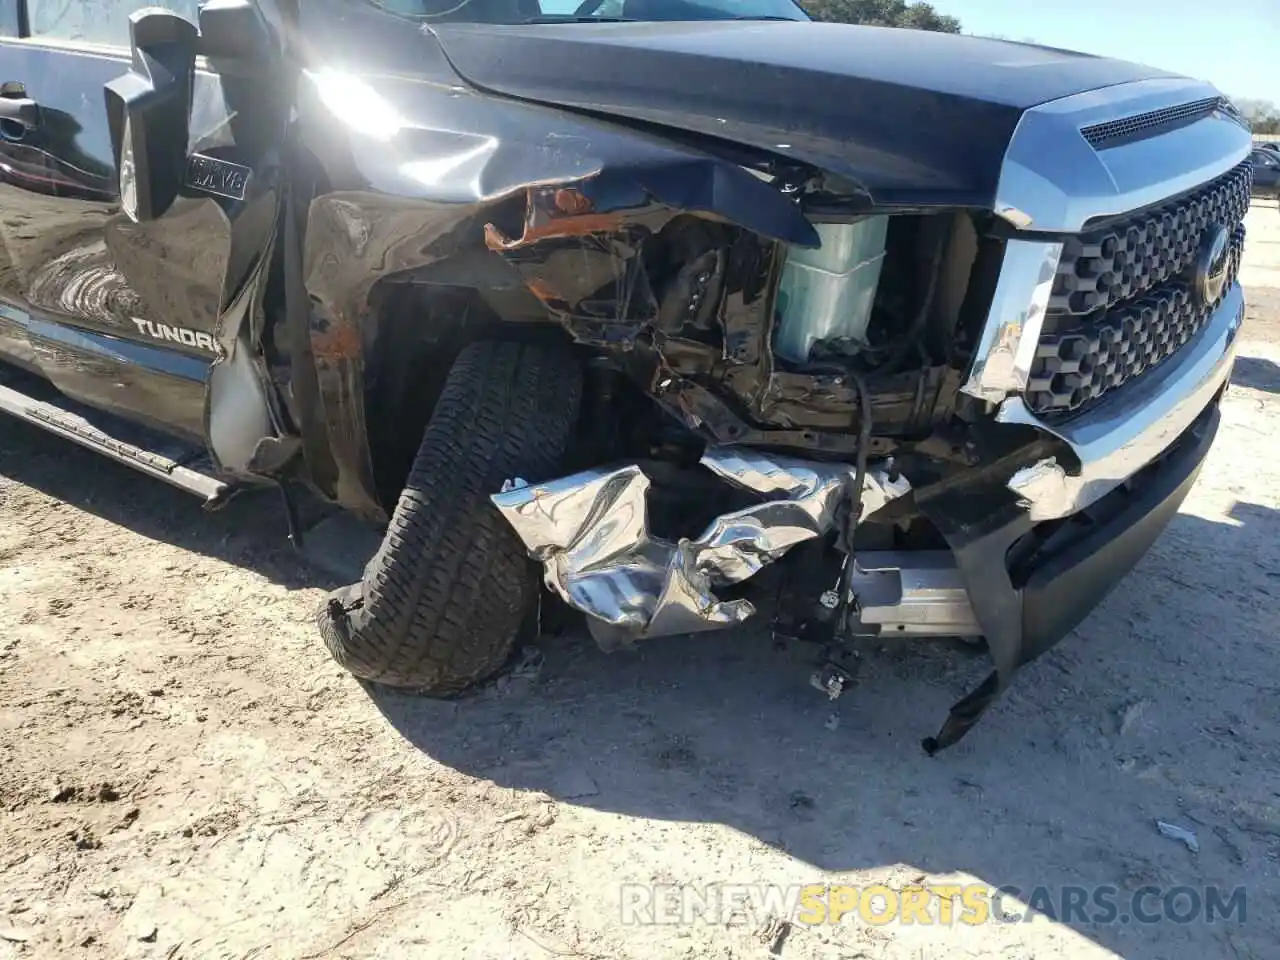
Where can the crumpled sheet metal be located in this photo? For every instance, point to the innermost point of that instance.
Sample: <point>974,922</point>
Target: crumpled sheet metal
<point>590,531</point>
<point>1046,490</point>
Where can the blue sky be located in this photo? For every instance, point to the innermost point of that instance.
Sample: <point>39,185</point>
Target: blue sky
<point>1235,44</point>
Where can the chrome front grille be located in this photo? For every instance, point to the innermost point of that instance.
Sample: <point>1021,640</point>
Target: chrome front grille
<point>1122,300</point>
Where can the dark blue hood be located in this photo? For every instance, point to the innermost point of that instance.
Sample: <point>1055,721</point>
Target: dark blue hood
<point>910,115</point>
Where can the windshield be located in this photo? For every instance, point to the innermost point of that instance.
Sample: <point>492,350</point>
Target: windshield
<point>575,11</point>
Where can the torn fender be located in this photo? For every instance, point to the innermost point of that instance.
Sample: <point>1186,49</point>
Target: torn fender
<point>591,533</point>
<point>406,173</point>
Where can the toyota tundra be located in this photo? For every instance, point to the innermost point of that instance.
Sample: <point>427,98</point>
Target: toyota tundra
<point>665,312</point>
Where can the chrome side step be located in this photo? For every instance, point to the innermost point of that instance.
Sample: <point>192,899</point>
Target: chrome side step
<point>177,463</point>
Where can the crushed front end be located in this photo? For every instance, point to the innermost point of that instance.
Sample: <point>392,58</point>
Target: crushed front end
<point>949,421</point>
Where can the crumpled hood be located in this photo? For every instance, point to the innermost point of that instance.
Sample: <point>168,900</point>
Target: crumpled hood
<point>912,116</point>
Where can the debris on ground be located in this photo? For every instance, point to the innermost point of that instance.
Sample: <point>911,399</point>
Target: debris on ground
<point>1175,832</point>
<point>1131,714</point>
<point>773,934</point>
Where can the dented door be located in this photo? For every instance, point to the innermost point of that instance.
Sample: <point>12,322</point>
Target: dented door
<point>127,316</point>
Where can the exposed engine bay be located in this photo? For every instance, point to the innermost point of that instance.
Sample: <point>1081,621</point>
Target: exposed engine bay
<point>749,340</point>
<point>850,351</point>
<point>817,385</point>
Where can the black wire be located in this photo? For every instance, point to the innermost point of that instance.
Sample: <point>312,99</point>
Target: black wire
<point>864,442</point>
<point>855,501</point>
<point>911,336</point>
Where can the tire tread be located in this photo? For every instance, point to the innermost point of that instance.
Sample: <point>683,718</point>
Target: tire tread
<point>441,601</point>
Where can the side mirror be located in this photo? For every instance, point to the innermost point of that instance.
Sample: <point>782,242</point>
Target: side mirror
<point>147,111</point>
<point>236,31</point>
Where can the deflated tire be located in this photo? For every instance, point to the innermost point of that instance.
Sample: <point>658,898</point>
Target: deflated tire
<point>441,601</point>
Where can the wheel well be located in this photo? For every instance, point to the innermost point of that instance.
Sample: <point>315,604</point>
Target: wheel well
<point>420,324</point>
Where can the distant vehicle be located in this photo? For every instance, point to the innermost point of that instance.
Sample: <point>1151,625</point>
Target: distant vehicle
<point>1266,170</point>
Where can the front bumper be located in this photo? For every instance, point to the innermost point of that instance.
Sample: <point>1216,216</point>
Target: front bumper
<point>1035,563</point>
<point>1032,584</point>
<point>1118,438</point>
<point>1064,586</point>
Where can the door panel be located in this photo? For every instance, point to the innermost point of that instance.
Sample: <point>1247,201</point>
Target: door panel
<point>122,315</point>
<point>62,290</point>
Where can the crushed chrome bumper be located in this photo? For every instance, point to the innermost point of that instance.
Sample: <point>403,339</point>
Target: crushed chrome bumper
<point>1120,437</point>
<point>590,531</point>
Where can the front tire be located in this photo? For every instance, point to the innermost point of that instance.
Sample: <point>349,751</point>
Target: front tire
<point>441,601</point>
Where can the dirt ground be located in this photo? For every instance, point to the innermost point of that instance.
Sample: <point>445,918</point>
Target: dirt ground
<point>184,772</point>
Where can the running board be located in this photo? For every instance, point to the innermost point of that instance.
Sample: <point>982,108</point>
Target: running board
<point>183,465</point>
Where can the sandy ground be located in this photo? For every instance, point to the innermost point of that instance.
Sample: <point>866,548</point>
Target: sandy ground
<point>184,773</point>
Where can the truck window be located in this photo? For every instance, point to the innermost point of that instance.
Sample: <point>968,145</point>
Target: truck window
<point>8,18</point>
<point>516,11</point>
<point>96,22</point>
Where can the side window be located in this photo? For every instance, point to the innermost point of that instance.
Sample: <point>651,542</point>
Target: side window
<point>99,22</point>
<point>8,18</point>
<point>567,8</point>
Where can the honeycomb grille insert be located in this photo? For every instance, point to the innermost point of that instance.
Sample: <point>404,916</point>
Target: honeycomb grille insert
<point>1077,362</point>
<point>1105,267</point>
<point>1122,299</point>
<point>1101,135</point>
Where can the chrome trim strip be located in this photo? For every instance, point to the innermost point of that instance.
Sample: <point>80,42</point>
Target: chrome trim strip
<point>1053,180</point>
<point>1002,361</point>
<point>1121,436</point>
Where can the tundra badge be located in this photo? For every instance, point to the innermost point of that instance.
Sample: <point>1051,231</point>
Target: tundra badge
<point>188,338</point>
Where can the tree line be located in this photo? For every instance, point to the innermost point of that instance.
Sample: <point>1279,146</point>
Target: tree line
<point>1263,115</point>
<point>882,13</point>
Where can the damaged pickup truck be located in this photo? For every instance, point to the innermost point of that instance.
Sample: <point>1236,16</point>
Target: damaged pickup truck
<point>630,300</point>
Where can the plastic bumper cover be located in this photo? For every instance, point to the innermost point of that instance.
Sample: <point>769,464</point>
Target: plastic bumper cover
<point>1027,609</point>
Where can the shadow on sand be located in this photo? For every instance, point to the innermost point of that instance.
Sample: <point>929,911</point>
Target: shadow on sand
<point>1257,373</point>
<point>1059,785</point>
<point>724,728</point>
